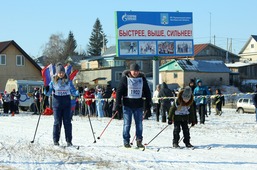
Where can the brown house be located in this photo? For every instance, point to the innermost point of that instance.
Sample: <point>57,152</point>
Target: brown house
<point>209,52</point>
<point>178,73</point>
<point>15,63</point>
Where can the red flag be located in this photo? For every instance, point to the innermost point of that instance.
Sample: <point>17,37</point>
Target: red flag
<point>73,74</point>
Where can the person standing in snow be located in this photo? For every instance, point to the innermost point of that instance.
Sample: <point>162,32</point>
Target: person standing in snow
<point>254,97</point>
<point>200,95</point>
<point>132,87</point>
<point>36,96</point>
<point>192,86</point>
<point>209,100</point>
<point>99,103</point>
<point>181,113</point>
<point>6,102</point>
<point>156,102</point>
<point>165,95</point>
<point>62,89</point>
<point>219,102</point>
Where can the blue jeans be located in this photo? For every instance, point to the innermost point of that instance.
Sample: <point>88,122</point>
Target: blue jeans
<point>127,119</point>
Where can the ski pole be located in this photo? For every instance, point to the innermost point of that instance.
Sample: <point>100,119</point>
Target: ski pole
<point>36,128</point>
<point>107,125</point>
<point>91,125</point>
<point>157,135</point>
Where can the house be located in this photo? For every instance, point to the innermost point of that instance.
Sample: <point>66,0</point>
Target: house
<point>249,51</point>
<point>92,68</point>
<point>108,68</point>
<point>15,63</point>
<point>178,73</point>
<point>209,52</point>
<point>212,52</point>
<point>242,71</point>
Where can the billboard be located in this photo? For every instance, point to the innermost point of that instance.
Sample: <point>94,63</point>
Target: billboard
<point>154,34</point>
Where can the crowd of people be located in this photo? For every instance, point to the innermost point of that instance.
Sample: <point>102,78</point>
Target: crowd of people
<point>10,102</point>
<point>132,98</point>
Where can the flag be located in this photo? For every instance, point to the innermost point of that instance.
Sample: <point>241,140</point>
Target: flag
<point>68,69</point>
<point>47,73</point>
<point>73,74</point>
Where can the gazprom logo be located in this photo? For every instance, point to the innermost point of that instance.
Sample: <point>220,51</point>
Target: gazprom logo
<point>127,17</point>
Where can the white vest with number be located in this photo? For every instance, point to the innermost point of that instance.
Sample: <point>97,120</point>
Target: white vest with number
<point>61,89</point>
<point>135,87</point>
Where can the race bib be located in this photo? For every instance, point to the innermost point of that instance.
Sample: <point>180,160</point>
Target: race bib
<point>135,87</point>
<point>182,111</point>
<point>61,89</point>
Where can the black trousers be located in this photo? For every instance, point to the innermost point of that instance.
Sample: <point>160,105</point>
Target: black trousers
<point>177,128</point>
<point>202,112</point>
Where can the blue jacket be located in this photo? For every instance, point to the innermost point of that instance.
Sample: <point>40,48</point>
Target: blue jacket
<point>200,95</point>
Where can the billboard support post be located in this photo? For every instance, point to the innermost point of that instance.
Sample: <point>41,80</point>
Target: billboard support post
<point>155,72</point>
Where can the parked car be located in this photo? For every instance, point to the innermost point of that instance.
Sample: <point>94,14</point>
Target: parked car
<point>245,105</point>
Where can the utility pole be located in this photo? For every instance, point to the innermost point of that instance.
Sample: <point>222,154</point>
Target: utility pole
<point>210,27</point>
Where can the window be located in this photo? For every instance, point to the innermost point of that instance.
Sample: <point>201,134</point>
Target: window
<point>19,60</point>
<point>175,75</point>
<point>118,76</point>
<point>2,59</point>
<point>252,45</point>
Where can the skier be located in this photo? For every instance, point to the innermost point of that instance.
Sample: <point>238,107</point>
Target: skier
<point>132,87</point>
<point>181,113</point>
<point>62,89</point>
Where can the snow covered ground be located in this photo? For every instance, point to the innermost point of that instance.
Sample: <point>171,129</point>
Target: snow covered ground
<point>232,138</point>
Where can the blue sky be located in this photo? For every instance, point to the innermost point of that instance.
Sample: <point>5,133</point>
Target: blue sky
<point>30,23</point>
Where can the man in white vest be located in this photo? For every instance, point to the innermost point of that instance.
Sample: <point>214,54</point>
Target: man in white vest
<point>131,93</point>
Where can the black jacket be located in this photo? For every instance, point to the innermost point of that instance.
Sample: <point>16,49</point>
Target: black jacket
<point>163,93</point>
<point>122,92</point>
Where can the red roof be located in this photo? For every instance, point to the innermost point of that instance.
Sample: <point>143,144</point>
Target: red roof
<point>198,48</point>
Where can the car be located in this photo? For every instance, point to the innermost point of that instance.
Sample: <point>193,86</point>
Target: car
<point>245,105</point>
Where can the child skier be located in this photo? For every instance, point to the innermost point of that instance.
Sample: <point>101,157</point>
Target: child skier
<point>181,114</point>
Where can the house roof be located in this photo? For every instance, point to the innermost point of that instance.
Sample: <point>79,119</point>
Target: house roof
<point>240,64</point>
<point>198,48</point>
<point>199,66</point>
<point>248,41</point>
<point>5,44</point>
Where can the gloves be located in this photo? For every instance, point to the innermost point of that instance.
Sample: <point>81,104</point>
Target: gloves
<point>118,108</point>
<point>193,123</point>
<point>170,122</point>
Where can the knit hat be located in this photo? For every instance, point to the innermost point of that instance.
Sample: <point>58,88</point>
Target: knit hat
<point>134,67</point>
<point>59,68</point>
<point>187,93</point>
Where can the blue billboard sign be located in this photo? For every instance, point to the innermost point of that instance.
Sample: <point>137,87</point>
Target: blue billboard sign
<point>154,34</point>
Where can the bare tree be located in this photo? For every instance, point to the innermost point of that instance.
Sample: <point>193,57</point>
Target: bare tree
<point>54,49</point>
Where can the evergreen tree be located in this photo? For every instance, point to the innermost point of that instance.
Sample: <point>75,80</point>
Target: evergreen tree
<point>97,40</point>
<point>70,46</point>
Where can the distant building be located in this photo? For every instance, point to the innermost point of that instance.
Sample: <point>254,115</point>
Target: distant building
<point>15,63</point>
<point>178,73</point>
<point>249,51</point>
